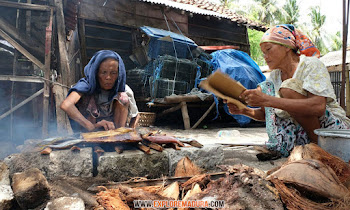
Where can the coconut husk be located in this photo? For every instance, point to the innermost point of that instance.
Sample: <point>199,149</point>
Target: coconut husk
<point>185,167</point>
<point>294,200</point>
<point>313,151</point>
<point>171,191</point>
<point>313,176</point>
<point>195,189</point>
<point>110,199</point>
<point>151,189</point>
<point>131,194</point>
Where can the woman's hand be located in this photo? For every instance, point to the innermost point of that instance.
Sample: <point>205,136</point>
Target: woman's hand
<point>233,109</point>
<point>254,97</point>
<point>123,98</point>
<point>107,125</point>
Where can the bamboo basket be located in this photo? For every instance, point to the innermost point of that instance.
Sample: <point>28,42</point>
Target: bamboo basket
<point>146,119</point>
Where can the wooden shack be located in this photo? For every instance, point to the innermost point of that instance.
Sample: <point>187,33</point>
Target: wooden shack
<point>46,43</point>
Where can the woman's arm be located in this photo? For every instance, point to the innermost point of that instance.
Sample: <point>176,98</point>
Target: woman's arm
<point>312,105</point>
<point>68,105</point>
<point>255,113</point>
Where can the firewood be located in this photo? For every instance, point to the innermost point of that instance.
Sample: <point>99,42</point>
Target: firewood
<point>144,148</point>
<point>98,150</point>
<point>195,189</point>
<point>174,146</point>
<point>152,145</point>
<point>75,148</point>
<point>171,191</point>
<point>119,149</point>
<point>46,151</point>
<point>185,167</point>
<point>195,179</point>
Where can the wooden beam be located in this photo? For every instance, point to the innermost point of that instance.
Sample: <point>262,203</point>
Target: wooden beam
<point>61,31</point>
<point>21,49</point>
<point>21,104</point>
<point>47,73</point>
<point>32,79</point>
<point>172,109</point>
<point>82,40</point>
<point>25,6</point>
<point>25,40</point>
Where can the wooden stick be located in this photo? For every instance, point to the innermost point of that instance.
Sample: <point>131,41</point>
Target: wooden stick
<point>144,148</point>
<point>25,6</point>
<point>119,149</point>
<point>204,116</point>
<point>172,109</point>
<point>98,150</point>
<point>19,47</point>
<point>152,145</point>
<point>21,104</point>
<point>46,151</point>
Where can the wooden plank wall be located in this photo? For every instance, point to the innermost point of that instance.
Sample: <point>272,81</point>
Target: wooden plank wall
<point>212,31</point>
<point>131,14</point>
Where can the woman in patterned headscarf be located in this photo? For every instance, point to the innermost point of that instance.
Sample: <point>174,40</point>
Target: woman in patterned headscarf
<point>298,97</point>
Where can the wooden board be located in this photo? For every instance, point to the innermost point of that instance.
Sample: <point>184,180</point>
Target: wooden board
<point>224,87</point>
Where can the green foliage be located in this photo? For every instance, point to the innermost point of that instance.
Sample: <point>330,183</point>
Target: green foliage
<point>290,13</point>
<point>255,51</point>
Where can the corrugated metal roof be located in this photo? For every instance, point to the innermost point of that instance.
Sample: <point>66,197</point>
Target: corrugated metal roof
<point>204,7</point>
<point>335,58</point>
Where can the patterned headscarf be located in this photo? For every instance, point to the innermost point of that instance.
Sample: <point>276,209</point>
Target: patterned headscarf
<point>288,36</point>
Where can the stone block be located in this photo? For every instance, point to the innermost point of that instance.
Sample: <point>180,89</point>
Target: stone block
<point>132,163</point>
<point>66,203</point>
<point>57,163</point>
<point>4,174</point>
<point>6,197</point>
<point>30,188</point>
<point>207,157</point>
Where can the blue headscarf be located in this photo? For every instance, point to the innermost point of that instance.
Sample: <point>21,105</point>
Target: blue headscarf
<point>89,85</point>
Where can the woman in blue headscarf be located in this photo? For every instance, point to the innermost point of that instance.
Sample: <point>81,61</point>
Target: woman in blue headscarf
<point>99,99</point>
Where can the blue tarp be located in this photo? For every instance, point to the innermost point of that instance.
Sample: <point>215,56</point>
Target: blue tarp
<point>158,45</point>
<point>239,66</point>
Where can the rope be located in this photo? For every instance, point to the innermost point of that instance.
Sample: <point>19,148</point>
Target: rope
<point>188,47</point>
<point>176,67</point>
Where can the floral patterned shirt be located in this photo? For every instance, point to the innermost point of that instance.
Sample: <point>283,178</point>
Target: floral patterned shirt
<point>316,80</point>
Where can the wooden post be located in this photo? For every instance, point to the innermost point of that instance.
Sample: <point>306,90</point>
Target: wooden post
<point>81,32</point>
<point>48,38</point>
<point>61,31</point>
<point>185,116</point>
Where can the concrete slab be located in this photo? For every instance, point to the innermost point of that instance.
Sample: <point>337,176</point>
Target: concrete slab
<point>133,163</point>
<point>57,163</point>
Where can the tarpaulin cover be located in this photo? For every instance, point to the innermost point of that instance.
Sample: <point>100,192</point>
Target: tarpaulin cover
<point>239,66</point>
<point>164,42</point>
